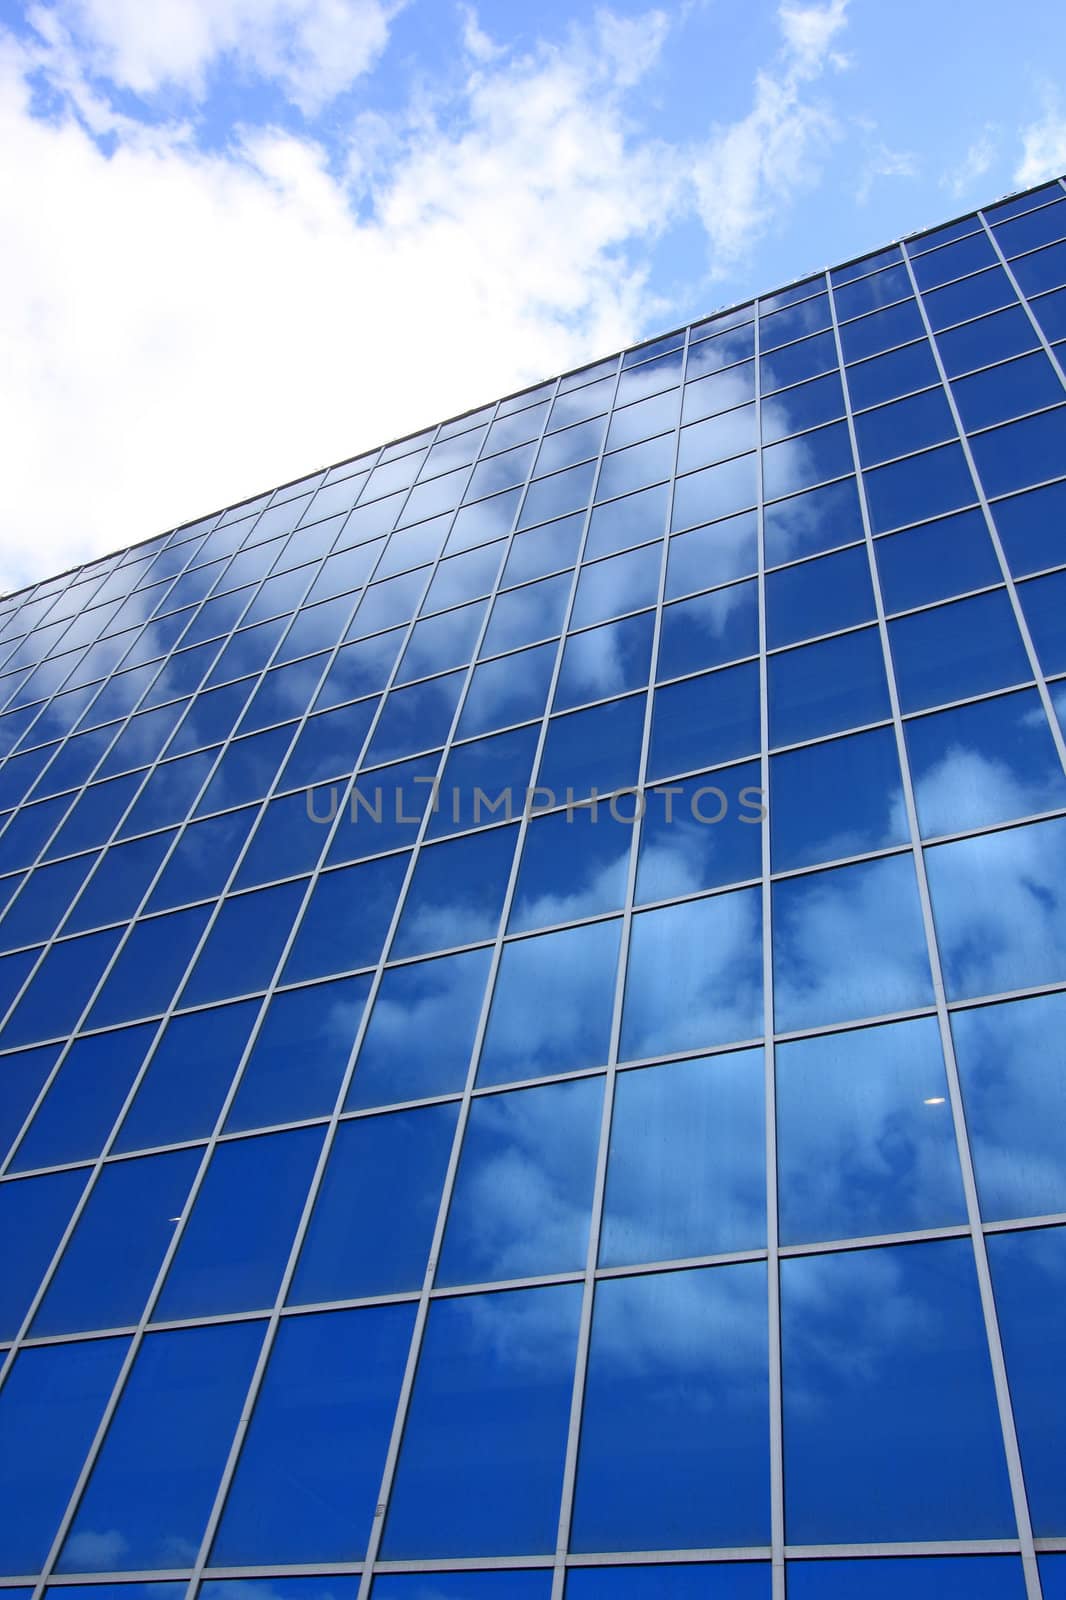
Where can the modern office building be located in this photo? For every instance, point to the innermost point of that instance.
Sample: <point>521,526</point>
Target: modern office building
<point>649,1186</point>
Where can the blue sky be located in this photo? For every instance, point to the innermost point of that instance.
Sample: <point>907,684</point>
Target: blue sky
<point>241,238</point>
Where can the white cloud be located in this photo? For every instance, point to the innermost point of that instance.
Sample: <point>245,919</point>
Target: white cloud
<point>312,48</point>
<point>975,163</point>
<point>182,328</point>
<point>747,170</point>
<point>1043,148</point>
<point>883,162</point>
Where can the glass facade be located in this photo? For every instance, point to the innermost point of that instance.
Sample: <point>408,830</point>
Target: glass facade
<point>533,987</point>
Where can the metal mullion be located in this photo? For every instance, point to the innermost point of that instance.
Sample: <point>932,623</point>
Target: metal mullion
<point>773,1274</point>
<point>569,1480</point>
<point>414,1354</point>
<point>969,1182</point>
<point>332,1122</point>
<point>118,1388</point>
<point>993,532</point>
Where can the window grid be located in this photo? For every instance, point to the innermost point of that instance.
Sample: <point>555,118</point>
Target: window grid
<point>942,1008</point>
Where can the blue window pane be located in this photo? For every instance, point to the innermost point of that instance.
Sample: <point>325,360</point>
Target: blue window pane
<point>355,1245</point>
<point>1035,228</point>
<point>523,1192</point>
<point>437,643</point>
<point>50,1408</point>
<point>245,943</point>
<point>44,902</point>
<point>1050,313</point>
<point>1031,527</point>
<point>705,720</point>
<point>574,864</point>
<point>525,1038</point>
<point>238,1236</point>
<point>867,293</point>
<point>554,496</point>
<point>818,597</point>
<point>245,771</point>
<point>858,1387</point>
<point>346,919</point>
<point>59,989</point>
<point>385,604</point>
<point>636,466</point>
<point>509,690</point>
<point>823,688</point>
<point>120,882</point>
<point>481,1465</point>
<point>299,1056</point>
<point>715,492</point>
<point>984,763</point>
<point>605,660</point>
<point>923,1577</point>
<point>836,799</point>
<point>781,327</point>
<point>117,1248</point>
<point>729,434</point>
<point>181,1094</point>
<point>464,577</point>
<point>328,745</point>
<point>421,1031</point>
<point>522,616</point>
<point>384,809</point>
<point>94,816</point>
<point>79,1110</point>
<point>849,943</point>
<point>957,650</point>
<point>709,631</point>
<point>1000,909</point>
<point>1011,1067</point>
<point>622,583</point>
<point>1053,1576</point>
<point>820,400</point>
<point>906,425</point>
<point>484,782</point>
<point>976,344</point>
<point>625,522</point>
<point>936,561</point>
<point>456,894</point>
<point>1042,601</point>
<point>1020,453</point>
<point>571,445</point>
<point>34,1213</point>
<point>886,377</point>
<point>881,330</point>
<point>695,976</point>
<point>21,1080</point>
<point>808,459</point>
<point>202,860</point>
<point>686,1171</point>
<point>701,834</point>
<point>360,668</point>
<point>649,378</point>
<point>484,521</point>
<point>920,486</point>
<point>820,519</point>
<point>331,1588</point>
<point>308,1476</point>
<point>1028,1272</point>
<point>156,1476</point>
<point>723,350</point>
<point>795,362</point>
<point>1007,391</point>
<point>971,297</point>
<point>597,749</point>
<point>720,391</point>
<point>955,260</point>
<point>416,718</point>
<point>865,1142</point>
<point>508,1585</point>
<point>289,837</point>
<point>1043,269</point>
<point>211,717</point>
<point>246,652</point>
<point>548,549</point>
<point>668,1352</point>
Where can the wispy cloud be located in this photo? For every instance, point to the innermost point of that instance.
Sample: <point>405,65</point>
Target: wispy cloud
<point>977,161</point>
<point>747,169</point>
<point>1043,146</point>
